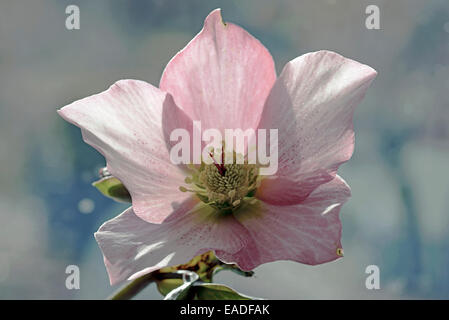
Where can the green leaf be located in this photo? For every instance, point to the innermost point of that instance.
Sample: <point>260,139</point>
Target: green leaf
<point>205,266</point>
<point>113,188</point>
<point>213,291</point>
<point>234,268</point>
<point>184,292</point>
<point>165,286</point>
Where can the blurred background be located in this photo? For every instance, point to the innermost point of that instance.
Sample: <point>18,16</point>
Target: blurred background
<point>397,218</point>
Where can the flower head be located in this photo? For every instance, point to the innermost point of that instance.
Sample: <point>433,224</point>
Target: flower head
<point>226,79</point>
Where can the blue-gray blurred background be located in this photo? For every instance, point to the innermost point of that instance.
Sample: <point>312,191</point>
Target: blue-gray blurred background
<point>397,219</point>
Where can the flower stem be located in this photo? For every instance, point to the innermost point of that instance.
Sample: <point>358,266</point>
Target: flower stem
<point>129,290</point>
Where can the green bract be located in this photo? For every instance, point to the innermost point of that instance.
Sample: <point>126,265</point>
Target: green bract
<point>113,188</point>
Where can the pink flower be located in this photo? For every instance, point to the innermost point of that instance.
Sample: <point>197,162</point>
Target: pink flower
<point>226,79</point>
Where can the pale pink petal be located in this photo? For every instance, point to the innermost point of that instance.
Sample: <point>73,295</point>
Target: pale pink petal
<point>133,247</point>
<point>222,77</point>
<point>126,125</point>
<point>308,233</point>
<point>312,106</point>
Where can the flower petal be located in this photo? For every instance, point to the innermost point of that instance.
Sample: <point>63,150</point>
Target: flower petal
<point>126,125</point>
<point>312,106</point>
<point>133,247</point>
<point>308,233</point>
<point>222,77</point>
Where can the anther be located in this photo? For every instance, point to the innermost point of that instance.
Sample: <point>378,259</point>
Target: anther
<point>231,193</point>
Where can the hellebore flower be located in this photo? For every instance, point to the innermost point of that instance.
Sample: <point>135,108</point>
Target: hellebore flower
<point>226,79</point>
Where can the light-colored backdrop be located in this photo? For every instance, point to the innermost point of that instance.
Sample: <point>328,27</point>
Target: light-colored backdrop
<point>398,216</point>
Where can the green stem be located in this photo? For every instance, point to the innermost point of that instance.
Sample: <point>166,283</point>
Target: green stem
<point>129,290</point>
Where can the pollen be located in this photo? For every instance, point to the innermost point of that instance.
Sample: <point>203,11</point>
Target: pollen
<point>224,186</point>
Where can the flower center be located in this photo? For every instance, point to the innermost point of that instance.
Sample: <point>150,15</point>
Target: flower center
<point>224,186</point>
